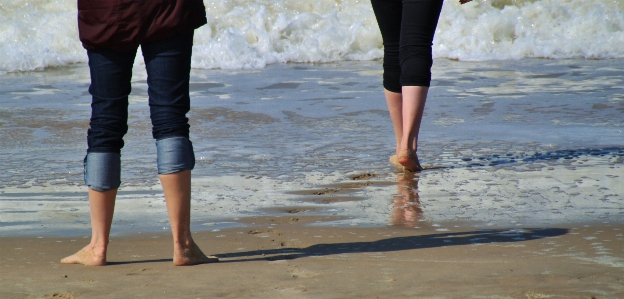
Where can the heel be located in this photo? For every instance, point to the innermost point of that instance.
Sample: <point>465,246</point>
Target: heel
<point>409,160</point>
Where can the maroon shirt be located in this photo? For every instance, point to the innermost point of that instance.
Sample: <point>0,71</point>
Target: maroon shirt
<point>124,24</point>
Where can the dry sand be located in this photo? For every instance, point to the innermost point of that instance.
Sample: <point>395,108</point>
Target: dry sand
<point>294,260</point>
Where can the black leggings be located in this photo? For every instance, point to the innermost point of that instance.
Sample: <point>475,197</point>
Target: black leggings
<point>407,29</point>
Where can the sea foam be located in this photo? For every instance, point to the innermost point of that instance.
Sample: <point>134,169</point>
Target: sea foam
<point>251,34</point>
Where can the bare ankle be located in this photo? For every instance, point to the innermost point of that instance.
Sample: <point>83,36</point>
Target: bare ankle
<point>185,242</point>
<point>191,254</point>
<point>98,248</point>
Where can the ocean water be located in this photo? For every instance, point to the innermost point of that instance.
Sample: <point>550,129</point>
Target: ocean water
<point>529,142</point>
<point>523,125</point>
<point>242,34</point>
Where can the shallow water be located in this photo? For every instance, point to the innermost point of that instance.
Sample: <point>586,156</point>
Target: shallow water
<point>508,143</point>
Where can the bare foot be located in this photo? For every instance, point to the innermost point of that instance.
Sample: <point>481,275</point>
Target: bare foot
<point>394,160</point>
<point>191,255</point>
<point>87,256</point>
<point>409,160</point>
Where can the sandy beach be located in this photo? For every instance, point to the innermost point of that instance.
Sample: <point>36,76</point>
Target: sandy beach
<point>521,196</point>
<point>522,143</point>
<point>298,261</point>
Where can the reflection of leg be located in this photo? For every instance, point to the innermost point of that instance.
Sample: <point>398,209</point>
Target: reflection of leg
<point>102,205</point>
<point>412,209</point>
<point>407,209</point>
<point>177,189</point>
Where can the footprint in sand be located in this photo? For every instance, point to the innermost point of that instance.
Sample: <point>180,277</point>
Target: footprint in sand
<point>364,176</point>
<point>302,273</point>
<point>357,185</point>
<point>326,191</point>
<point>285,220</point>
<point>59,295</point>
<point>339,199</point>
<point>141,271</point>
<point>293,244</point>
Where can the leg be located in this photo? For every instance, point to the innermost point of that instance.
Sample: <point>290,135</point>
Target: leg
<point>102,205</point>
<point>395,107</point>
<point>388,14</point>
<point>110,85</point>
<point>414,98</point>
<point>418,25</point>
<point>168,66</point>
<point>177,189</point>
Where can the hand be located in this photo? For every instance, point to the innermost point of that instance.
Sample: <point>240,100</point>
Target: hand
<point>464,1</point>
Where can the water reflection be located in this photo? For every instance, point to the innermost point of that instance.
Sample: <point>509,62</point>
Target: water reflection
<point>406,210</point>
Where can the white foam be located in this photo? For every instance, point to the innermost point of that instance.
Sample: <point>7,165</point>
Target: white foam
<point>251,35</point>
<point>38,34</point>
<point>537,29</point>
<point>239,34</point>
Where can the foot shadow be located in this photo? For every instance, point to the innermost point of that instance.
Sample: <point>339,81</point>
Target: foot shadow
<point>138,262</point>
<point>399,244</point>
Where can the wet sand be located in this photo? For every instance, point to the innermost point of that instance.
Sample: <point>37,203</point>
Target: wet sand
<point>296,261</point>
<point>434,245</point>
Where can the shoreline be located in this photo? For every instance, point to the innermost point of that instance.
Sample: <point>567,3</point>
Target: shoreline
<point>576,190</point>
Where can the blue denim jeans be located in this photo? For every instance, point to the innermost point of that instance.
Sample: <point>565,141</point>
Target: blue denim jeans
<point>168,65</point>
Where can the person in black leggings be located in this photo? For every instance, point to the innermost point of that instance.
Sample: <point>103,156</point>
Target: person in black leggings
<point>407,29</point>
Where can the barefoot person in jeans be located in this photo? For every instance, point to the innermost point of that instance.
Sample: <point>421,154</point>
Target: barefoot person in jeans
<point>407,28</point>
<point>112,31</point>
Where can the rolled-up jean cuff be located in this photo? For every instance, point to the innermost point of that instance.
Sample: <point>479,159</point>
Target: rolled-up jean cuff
<point>102,171</point>
<point>175,154</point>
